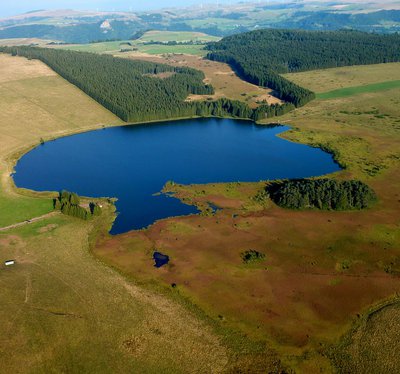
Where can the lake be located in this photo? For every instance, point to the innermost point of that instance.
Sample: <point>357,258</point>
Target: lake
<point>132,163</point>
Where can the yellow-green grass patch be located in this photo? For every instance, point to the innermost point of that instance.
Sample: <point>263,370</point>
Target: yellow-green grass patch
<point>178,36</point>
<point>325,80</point>
<point>24,41</point>
<point>158,49</point>
<point>351,91</point>
<point>372,344</point>
<point>101,47</point>
<point>362,130</point>
<point>152,49</point>
<point>62,311</point>
<point>36,104</point>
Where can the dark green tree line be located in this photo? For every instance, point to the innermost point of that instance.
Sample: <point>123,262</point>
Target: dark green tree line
<point>261,56</point>
<point>325,194</point>
<point>124,86</point>
<point>126,89</point>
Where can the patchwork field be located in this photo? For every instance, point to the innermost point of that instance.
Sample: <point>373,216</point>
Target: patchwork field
<point>103,47</point>
<point>152,49</point>
<point>322,270</point>
<point>178,36</point>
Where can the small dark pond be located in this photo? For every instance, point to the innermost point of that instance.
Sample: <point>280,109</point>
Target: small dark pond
<point>133,163</point>
<point>160,259</point>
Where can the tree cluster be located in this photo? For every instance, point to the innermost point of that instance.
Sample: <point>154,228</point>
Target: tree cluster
<point>325,194</point>
<point>252,255</point>
<point>238,109</point>
<point>95,209</point>
<point>261,56</point>
<point>69,203</point>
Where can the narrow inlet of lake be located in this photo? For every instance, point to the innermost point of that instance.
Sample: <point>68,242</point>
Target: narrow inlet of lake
<point>132,163</point>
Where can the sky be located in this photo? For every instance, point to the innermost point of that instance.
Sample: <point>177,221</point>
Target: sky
<point>8,8</point>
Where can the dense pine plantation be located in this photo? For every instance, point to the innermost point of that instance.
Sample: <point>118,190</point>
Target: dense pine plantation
<point>130,89</point>
<point>260,56</point>
<point>326,194</point>
<point>135,92</point>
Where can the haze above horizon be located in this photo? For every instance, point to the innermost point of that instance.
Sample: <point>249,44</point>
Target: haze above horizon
<point>24,6</point>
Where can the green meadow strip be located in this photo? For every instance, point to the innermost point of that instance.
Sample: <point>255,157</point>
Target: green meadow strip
<point>351,91</point>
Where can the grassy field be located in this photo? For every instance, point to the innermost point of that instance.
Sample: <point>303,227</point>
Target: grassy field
<point>103,47</point>
<point>62,310</point>
<point>326,80</point>
<point>350,91</point>
<point>24,41</point>
<point>371,345</point>
<point>36,104</point>
<point>157,49</point>
<point>321,269</point>
<point>178,36</point>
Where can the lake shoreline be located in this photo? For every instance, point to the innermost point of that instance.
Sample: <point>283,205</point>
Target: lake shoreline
<point>134,162</point>
<point>12,158</point>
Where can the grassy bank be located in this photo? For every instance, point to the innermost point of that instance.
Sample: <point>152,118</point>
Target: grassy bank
<point>36,104</point>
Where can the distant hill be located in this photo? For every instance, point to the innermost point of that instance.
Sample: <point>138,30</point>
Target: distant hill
<point>75,33</point>
<point>85,26</point>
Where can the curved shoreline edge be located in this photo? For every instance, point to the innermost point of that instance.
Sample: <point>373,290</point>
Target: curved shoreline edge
<point>13,158</point>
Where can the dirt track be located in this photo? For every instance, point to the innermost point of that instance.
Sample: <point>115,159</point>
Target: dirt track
<point>29,221</point>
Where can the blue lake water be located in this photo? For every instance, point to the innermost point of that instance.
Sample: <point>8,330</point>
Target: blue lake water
<point>160,259</point>
<point>132,163</point>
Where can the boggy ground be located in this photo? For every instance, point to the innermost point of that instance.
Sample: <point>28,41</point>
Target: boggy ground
<point>322,271</point>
